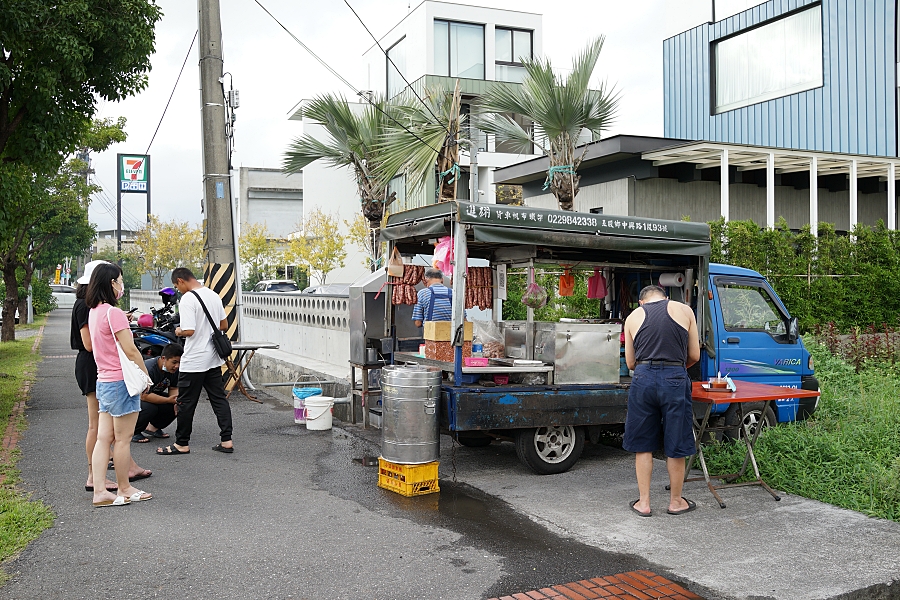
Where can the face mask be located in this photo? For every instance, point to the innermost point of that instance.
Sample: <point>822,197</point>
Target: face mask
<point>120,293</point>
<point>164,368</point>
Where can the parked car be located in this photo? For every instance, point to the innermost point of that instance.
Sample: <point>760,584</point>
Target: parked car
<point>64,294</point>
<point>276,285</point>
<point>332,289</point>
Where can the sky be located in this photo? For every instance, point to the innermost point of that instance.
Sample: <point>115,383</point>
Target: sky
<point>273,73</point>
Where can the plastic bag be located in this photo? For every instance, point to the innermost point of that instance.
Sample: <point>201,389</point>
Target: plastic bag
<point>596,285</point>
<point>443,255</point>
<point>395,264</point>
<point>566,283</point>
<point>488,333</point>
<point>535,296</point>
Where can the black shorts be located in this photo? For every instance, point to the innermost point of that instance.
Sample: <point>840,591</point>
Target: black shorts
<point>660,410</point>
<point>86,372</point>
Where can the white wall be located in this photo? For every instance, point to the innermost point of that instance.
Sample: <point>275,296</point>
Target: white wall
<point>334,191</point>
<point>616,198</point>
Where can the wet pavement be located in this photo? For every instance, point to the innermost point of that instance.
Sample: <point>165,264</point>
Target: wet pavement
<point>290,514</point>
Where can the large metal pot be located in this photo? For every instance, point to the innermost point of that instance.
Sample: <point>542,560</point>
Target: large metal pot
<point>409,428</point>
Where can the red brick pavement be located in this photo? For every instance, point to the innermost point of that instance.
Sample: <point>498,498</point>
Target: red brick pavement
<point>634,585</point>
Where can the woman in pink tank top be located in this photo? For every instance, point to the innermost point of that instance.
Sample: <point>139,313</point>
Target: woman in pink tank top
<point>118,409</point>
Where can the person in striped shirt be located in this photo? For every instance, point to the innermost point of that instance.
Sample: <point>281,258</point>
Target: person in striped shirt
<point>434,300</point>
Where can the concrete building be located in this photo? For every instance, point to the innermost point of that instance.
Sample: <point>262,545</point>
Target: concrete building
<point>270,196</point>
<point>106,240</point>
<point>440,42</point>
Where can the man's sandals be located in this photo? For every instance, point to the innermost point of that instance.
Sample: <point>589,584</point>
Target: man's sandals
<point>169,450</point>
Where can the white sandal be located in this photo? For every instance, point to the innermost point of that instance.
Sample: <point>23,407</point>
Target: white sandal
<point>138,496</point>
<point>119,501</point>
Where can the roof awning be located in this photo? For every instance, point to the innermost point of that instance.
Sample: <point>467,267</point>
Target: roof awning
<point>748,158</point>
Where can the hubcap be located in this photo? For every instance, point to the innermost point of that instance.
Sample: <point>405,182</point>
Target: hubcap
<point>752,420</point>
<point>554,444</point>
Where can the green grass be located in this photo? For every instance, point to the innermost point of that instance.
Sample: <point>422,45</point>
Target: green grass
<point>847,454</point>
<point>38,321</point>
<point>21,519</point>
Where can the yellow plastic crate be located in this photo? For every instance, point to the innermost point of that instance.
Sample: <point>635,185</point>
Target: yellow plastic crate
<point>408,480</point>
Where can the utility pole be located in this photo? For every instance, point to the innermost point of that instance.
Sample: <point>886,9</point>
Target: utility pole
<point>220,271</point>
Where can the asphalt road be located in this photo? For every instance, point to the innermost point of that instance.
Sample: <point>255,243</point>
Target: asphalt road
<point>291,514</point>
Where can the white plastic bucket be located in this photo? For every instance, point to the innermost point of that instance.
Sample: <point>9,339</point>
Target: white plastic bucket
<point>318,412</point>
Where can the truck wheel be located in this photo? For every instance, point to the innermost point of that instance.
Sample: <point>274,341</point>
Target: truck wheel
<point>477,440</point>
<point>550,450</point>
<point>753,418</point>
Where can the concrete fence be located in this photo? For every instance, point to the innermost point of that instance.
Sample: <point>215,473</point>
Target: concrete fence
<point>144,299</point>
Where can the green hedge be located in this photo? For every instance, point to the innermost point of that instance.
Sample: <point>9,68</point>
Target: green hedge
<point>845,280</point>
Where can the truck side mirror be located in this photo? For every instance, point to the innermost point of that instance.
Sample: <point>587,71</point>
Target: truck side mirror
<point>793,329</point>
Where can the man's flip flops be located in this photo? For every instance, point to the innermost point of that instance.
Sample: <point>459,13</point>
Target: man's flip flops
<point>169,450</point>
<point>142,475</point>
<point>639,513</point>
<point>159,433</point>
<point>691,506</point>
<point>221,448</point>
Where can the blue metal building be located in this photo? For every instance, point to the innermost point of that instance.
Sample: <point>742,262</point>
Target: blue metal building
<point>816,75</point>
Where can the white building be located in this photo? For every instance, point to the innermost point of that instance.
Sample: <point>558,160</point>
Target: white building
<point>272,197</point>
<point>434,45</point>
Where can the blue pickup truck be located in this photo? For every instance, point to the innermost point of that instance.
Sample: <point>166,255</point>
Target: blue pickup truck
<point>558,384</point>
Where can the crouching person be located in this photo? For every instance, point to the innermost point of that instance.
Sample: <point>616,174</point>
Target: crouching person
<point>159,404</point>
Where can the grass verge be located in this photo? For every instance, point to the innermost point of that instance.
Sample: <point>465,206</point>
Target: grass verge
<point>847,454</point>
<point>21,519</point>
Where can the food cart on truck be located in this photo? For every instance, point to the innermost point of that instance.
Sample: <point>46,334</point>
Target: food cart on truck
<point>549,386</point>
<point>558,382</point>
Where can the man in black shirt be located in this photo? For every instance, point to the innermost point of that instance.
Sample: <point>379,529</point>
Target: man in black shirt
<point>159,403</point>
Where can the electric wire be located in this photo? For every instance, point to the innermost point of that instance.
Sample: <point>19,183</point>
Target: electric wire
<point>399,72</point>
<point>177,79</point>
<point>347,83</point>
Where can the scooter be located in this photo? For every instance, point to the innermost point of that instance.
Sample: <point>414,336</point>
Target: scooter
<point>158,331</point>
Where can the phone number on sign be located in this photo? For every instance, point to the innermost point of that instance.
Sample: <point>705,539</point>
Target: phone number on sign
<point>572,220</point>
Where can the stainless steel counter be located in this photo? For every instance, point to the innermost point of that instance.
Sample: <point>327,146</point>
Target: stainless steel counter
<point>409,357</point>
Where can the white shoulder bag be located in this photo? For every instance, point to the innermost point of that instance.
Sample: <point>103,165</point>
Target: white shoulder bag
<point>135,379</point>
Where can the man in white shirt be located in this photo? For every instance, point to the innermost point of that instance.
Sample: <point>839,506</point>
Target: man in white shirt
<point>201,366</point>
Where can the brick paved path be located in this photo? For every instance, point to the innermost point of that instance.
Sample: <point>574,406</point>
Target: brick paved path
<point>634,585</point>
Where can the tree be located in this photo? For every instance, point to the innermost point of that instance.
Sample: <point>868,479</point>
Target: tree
<point>431,134</point>
<point>46,211</point>
<point>259,254</point>
<point>561,109</point>
<point>364,238</point>
<point>57,59</point>
<point>160,246</point>
<point>318,245</point>
<point>353,143</point>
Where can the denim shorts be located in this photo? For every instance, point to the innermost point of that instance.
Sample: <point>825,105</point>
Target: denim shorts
<point>114,399</point>
<point>660,410</point>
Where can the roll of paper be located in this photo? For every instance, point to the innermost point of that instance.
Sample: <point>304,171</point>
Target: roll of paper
<point>671,280</point>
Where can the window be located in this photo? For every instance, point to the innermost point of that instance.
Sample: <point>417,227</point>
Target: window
<point>397,54</point>
<point>458,49</point>
<point>777,59</point>
<point>512,45</point>
<point>749,308</point>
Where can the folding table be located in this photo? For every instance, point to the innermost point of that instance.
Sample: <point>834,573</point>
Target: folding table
<point>745,392</point>
<point>235,368</point>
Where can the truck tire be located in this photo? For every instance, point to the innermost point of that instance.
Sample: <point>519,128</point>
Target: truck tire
<point>550,450</point>
<point>753,417</point>
<point>474,440</point>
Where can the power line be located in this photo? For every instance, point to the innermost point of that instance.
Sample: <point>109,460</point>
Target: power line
<point>399,72</point>
<point>177,79</point>
<point>345,82</point>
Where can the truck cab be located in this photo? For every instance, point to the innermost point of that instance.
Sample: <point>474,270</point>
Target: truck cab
<point>753,337</point>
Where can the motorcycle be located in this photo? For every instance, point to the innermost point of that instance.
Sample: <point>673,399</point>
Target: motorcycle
<point>153,334</point>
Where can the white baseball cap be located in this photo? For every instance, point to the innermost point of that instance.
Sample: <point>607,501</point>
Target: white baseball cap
<point>88,270</point>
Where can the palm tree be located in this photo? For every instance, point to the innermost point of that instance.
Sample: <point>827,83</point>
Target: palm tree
<point>353,143</point>
<point>561,108</point>
<point>426,136</point>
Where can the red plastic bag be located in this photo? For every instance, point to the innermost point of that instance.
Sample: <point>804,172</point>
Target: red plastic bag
<point>535,296</point>
<point>566,283</point>
<point>596,285</point>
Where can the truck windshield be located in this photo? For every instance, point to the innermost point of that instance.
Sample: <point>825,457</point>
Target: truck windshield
<point>749,307</point>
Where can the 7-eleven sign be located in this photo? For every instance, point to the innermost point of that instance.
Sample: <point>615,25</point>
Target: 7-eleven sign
<point>134,173</point>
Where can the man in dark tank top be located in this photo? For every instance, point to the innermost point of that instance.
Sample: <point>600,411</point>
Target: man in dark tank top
<point>661,341</point>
